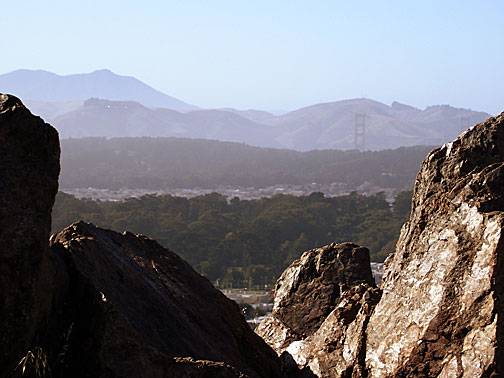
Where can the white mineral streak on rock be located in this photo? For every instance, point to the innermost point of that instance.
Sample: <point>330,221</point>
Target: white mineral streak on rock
<point>315,368</point>
<point>471,218</point>
<point>351,342</point>
<point>479,278</point>
<point>412,299</point>
<point>275,333</point>
<point>286,281</point>
<point>295,349</point>
<point>448,147</point>
<point>479,350</point>
<point>450,369</point>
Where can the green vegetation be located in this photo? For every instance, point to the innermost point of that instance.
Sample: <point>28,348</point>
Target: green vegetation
<point>246,243</point>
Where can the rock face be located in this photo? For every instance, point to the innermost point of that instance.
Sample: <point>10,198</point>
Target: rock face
<point>441,310</point>
<point>325,287</point>
<point>137,309</point>
<point>29,169</point>
<point>308,290</point>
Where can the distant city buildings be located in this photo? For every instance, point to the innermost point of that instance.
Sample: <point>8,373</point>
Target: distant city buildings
<point>334,189</point>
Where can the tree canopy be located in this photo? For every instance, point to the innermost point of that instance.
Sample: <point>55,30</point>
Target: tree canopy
<point>246,243</point>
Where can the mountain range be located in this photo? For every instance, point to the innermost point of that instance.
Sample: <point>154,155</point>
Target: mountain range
<point>103,104</point>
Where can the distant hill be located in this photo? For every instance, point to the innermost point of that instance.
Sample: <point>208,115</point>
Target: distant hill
<point>39,85</point>
<point>259,116</point>
<point>321,126</point>
<point>161,163</point>
<point>97,118</point>
<point>331,125</point>
<point>52,109</point>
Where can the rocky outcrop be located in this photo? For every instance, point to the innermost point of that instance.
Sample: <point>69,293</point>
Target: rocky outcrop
<point>29,168</point>
<point>441,310</point>
<point>136,309</point>
<point>327,293</point>
<point>98,303</point>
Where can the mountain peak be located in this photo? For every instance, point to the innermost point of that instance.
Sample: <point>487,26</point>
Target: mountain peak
<point>38,85</point>
<point>104,71</point>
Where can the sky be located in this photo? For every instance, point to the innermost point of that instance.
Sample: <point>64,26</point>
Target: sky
<point>272,54</point>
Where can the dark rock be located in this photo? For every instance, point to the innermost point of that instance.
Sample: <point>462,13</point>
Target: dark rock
<point>29,169</point>
<point>136,306</point>
<point>190,368</point>
<point>322,294</point>
<point>441,310</point>
<point>98,303</point>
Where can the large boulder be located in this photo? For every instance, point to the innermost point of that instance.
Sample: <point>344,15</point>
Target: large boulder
<point>29,169</point>
<point>441,313</point>
<point>321,307</point>
<point>138,310</point>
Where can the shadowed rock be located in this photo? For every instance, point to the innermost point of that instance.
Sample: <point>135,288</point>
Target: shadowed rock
<point>29,168</point>
<point>135,308</point>
<point>99,303</point>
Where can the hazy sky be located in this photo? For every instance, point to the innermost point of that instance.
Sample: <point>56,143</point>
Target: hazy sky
<point>273,54</point>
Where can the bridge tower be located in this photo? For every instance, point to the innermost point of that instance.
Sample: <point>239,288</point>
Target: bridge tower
<point>360,131</point>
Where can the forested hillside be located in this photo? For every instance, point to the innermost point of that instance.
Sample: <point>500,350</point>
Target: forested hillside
<point>246,243</point>
<point>159,163</point>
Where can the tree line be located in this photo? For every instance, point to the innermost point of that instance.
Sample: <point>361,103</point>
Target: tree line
<point>246,243</point>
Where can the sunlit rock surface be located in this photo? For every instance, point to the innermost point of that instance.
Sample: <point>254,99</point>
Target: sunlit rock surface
<point>326,292</point>
<point>440,313</point>
<point>441,309</point>
<point>338,347</point>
